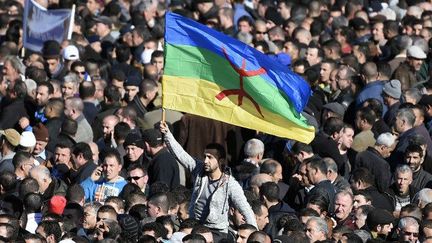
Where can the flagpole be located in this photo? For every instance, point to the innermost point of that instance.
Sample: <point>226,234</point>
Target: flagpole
<point>163,115</point>
<point>71,23</point>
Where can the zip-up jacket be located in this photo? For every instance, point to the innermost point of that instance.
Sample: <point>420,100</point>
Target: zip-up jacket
<point>228,192</point>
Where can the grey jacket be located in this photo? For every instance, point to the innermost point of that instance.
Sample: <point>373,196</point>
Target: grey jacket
<point>228,193</point>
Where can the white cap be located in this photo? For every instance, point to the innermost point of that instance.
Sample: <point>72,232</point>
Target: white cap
<point>416,52</point>
<point>27,139</point>
<point>71,53</point>
<point>146,56</point>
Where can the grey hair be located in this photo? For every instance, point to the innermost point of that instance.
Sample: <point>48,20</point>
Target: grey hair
<point>350,72</point>
<point>41,171</point>
<point>31,85</point>
<point>15,63</point>
<point>407,115</point>
<point>331,164</point>
<point>72,78</point>
<point>403,169</point>
<point>363,234</point>
<point>93,205</point>
<point>146,5</point>
<point>405,221</point>
<point>387,139</point>
<point>424,196</point>
<point>414,93</point>
<point>321,224</point>
<point>253,147</point>
<point>403,42</point>
<point>76,103</point>
<point>422,43</point>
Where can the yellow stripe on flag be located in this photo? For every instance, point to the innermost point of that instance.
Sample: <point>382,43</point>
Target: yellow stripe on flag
<point>197,96</point>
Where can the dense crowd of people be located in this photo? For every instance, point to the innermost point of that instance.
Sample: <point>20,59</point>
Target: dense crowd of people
<point>85,156</point>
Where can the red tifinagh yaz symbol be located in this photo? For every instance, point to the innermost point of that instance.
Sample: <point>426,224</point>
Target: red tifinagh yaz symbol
<point>241,92</point>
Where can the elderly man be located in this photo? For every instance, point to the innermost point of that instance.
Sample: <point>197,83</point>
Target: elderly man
<point>343,206</point>
<point>254,151</point>
<point>74,110</point>
<point>316,229</point>
<point>373,158</point>
<point>48,185</point>
<point>403,125</point>
<point>408,230</point>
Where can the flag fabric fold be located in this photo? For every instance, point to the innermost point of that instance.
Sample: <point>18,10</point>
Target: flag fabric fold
<point>212,75</point>
<point>40,25</point>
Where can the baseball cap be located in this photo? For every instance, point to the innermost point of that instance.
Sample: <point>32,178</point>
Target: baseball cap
<point>71,53</point>
<point>104,20</point>
<point>336,108</point>
<point>152,136</point>
<point>11,135</point>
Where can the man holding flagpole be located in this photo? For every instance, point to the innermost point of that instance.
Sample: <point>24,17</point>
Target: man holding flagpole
<point>214,189</point>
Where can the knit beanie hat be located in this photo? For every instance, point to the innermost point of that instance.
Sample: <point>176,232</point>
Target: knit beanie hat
<point>41,132</point>
<point>133,139</point>
<point>57,204</point>
<point>129,226</point>
<point>393,88</point>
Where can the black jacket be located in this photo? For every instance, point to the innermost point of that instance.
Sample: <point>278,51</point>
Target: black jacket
<point>164,168</point>
<point>275,213</point>
<point>391,194</point>
<point>375,163</point>
<point>85,171</point>
<point>324,146</point>
<point>421,179</point>
<point>11,114</point>
<point>326,191</point>
<point>379,200</point>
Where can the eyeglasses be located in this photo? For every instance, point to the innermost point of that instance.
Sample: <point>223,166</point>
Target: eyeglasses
<point>135,178</point>
<point>260,32</point>
<point>407,233</point>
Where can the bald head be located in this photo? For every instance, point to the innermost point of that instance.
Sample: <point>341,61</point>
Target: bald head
<point>108,124</point>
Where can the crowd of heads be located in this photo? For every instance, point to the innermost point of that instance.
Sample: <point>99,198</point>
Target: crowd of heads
<point>80,140</point>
